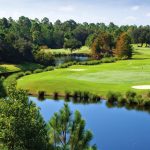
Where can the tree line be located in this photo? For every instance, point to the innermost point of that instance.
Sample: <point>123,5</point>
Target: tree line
<point>20,40</point>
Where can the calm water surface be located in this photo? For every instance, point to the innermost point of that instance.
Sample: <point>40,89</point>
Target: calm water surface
<point>113,128</point>
<point>65,59</point>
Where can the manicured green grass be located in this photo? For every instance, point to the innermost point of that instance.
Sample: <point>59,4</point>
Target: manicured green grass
<point>82,50</point>
<point>20,67</point>
<point>8,68</point>
<point>99,79</point>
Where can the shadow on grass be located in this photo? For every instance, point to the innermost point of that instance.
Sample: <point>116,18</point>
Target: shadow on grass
<point>29,66</point>
<point>140,58</point>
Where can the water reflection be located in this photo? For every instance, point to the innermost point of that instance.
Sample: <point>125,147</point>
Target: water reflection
<point>115,127</point>
<point>65,59</point>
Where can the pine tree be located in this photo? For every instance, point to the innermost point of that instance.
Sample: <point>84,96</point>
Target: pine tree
<point>96,49</point>
<point>69,133</point>
<point>123,47</point>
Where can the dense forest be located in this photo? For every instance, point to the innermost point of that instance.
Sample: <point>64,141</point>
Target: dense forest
<point>21,40</point>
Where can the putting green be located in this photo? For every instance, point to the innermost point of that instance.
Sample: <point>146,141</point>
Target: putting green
<point>99,79</point>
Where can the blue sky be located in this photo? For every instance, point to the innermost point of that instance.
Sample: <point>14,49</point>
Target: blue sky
<point>118,11</point>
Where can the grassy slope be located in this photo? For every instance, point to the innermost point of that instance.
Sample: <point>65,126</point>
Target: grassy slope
<point>100,79</point>
<point>8,68</point>
<point>21,67</point>
<point>84,50</point>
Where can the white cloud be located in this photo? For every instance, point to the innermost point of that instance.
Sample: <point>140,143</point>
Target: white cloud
<point>68,8</point>
<point>130,19</point>
<point>135,8</point>
<point>148,14</point>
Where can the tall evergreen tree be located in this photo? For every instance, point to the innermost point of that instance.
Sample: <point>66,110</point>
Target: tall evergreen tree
<point>68,132</point>
<point>123,47</point>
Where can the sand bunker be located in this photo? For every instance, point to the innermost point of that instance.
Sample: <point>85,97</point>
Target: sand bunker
<point>142,87</point>
<point>77,69</point>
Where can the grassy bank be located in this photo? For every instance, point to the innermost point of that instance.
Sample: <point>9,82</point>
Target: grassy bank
<point>18,67</point>
<point>119,76</point>
<point>8,68</point>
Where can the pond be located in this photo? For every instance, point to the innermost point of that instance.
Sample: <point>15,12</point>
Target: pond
<point>65,59</point>
<point>113,128</point>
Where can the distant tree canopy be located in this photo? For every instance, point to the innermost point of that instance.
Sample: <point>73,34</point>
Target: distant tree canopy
<point>102,45</point>
<point>72,44</point>
<point>19,40</point>
<point>141,35</point>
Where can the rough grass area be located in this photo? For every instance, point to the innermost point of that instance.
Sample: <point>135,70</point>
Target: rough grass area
<point>82,50</point>
<point>99,79</point>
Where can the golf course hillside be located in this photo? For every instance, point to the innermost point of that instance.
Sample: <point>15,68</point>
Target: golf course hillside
<point>120,76</point>
<point>8,68</point>
<point>4,68</point>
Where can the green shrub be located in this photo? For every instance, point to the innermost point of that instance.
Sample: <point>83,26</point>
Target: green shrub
<point>2,89</point>
<point>148,94</point>
<point>130,94</point>
<point>91,62</point>
<point>94,98</point>
<point>85,96</point>
<point>131,101</point>
<point>97,62</point>
<point>20,74</point>
<point>41,95</point>
<point>75,95</point>
<point>67,95</point>
<point>27,73</point>
<point>12,79</point>
<point>49,68</point>
<point>112,97</point>
<point>38,71</point>
<point>121,100</point>
<point>55,95</point>
<point>108,60</point>
<point>66,65</point>
<point>147,103</point>
<point>139,100</point>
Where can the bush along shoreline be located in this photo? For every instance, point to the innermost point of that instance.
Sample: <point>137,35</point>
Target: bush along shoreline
<point>76,96</point>
<point>130,100</point>
<point>88,63</point>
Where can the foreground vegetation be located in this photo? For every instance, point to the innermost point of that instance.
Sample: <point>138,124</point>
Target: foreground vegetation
<point>23,128</point>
